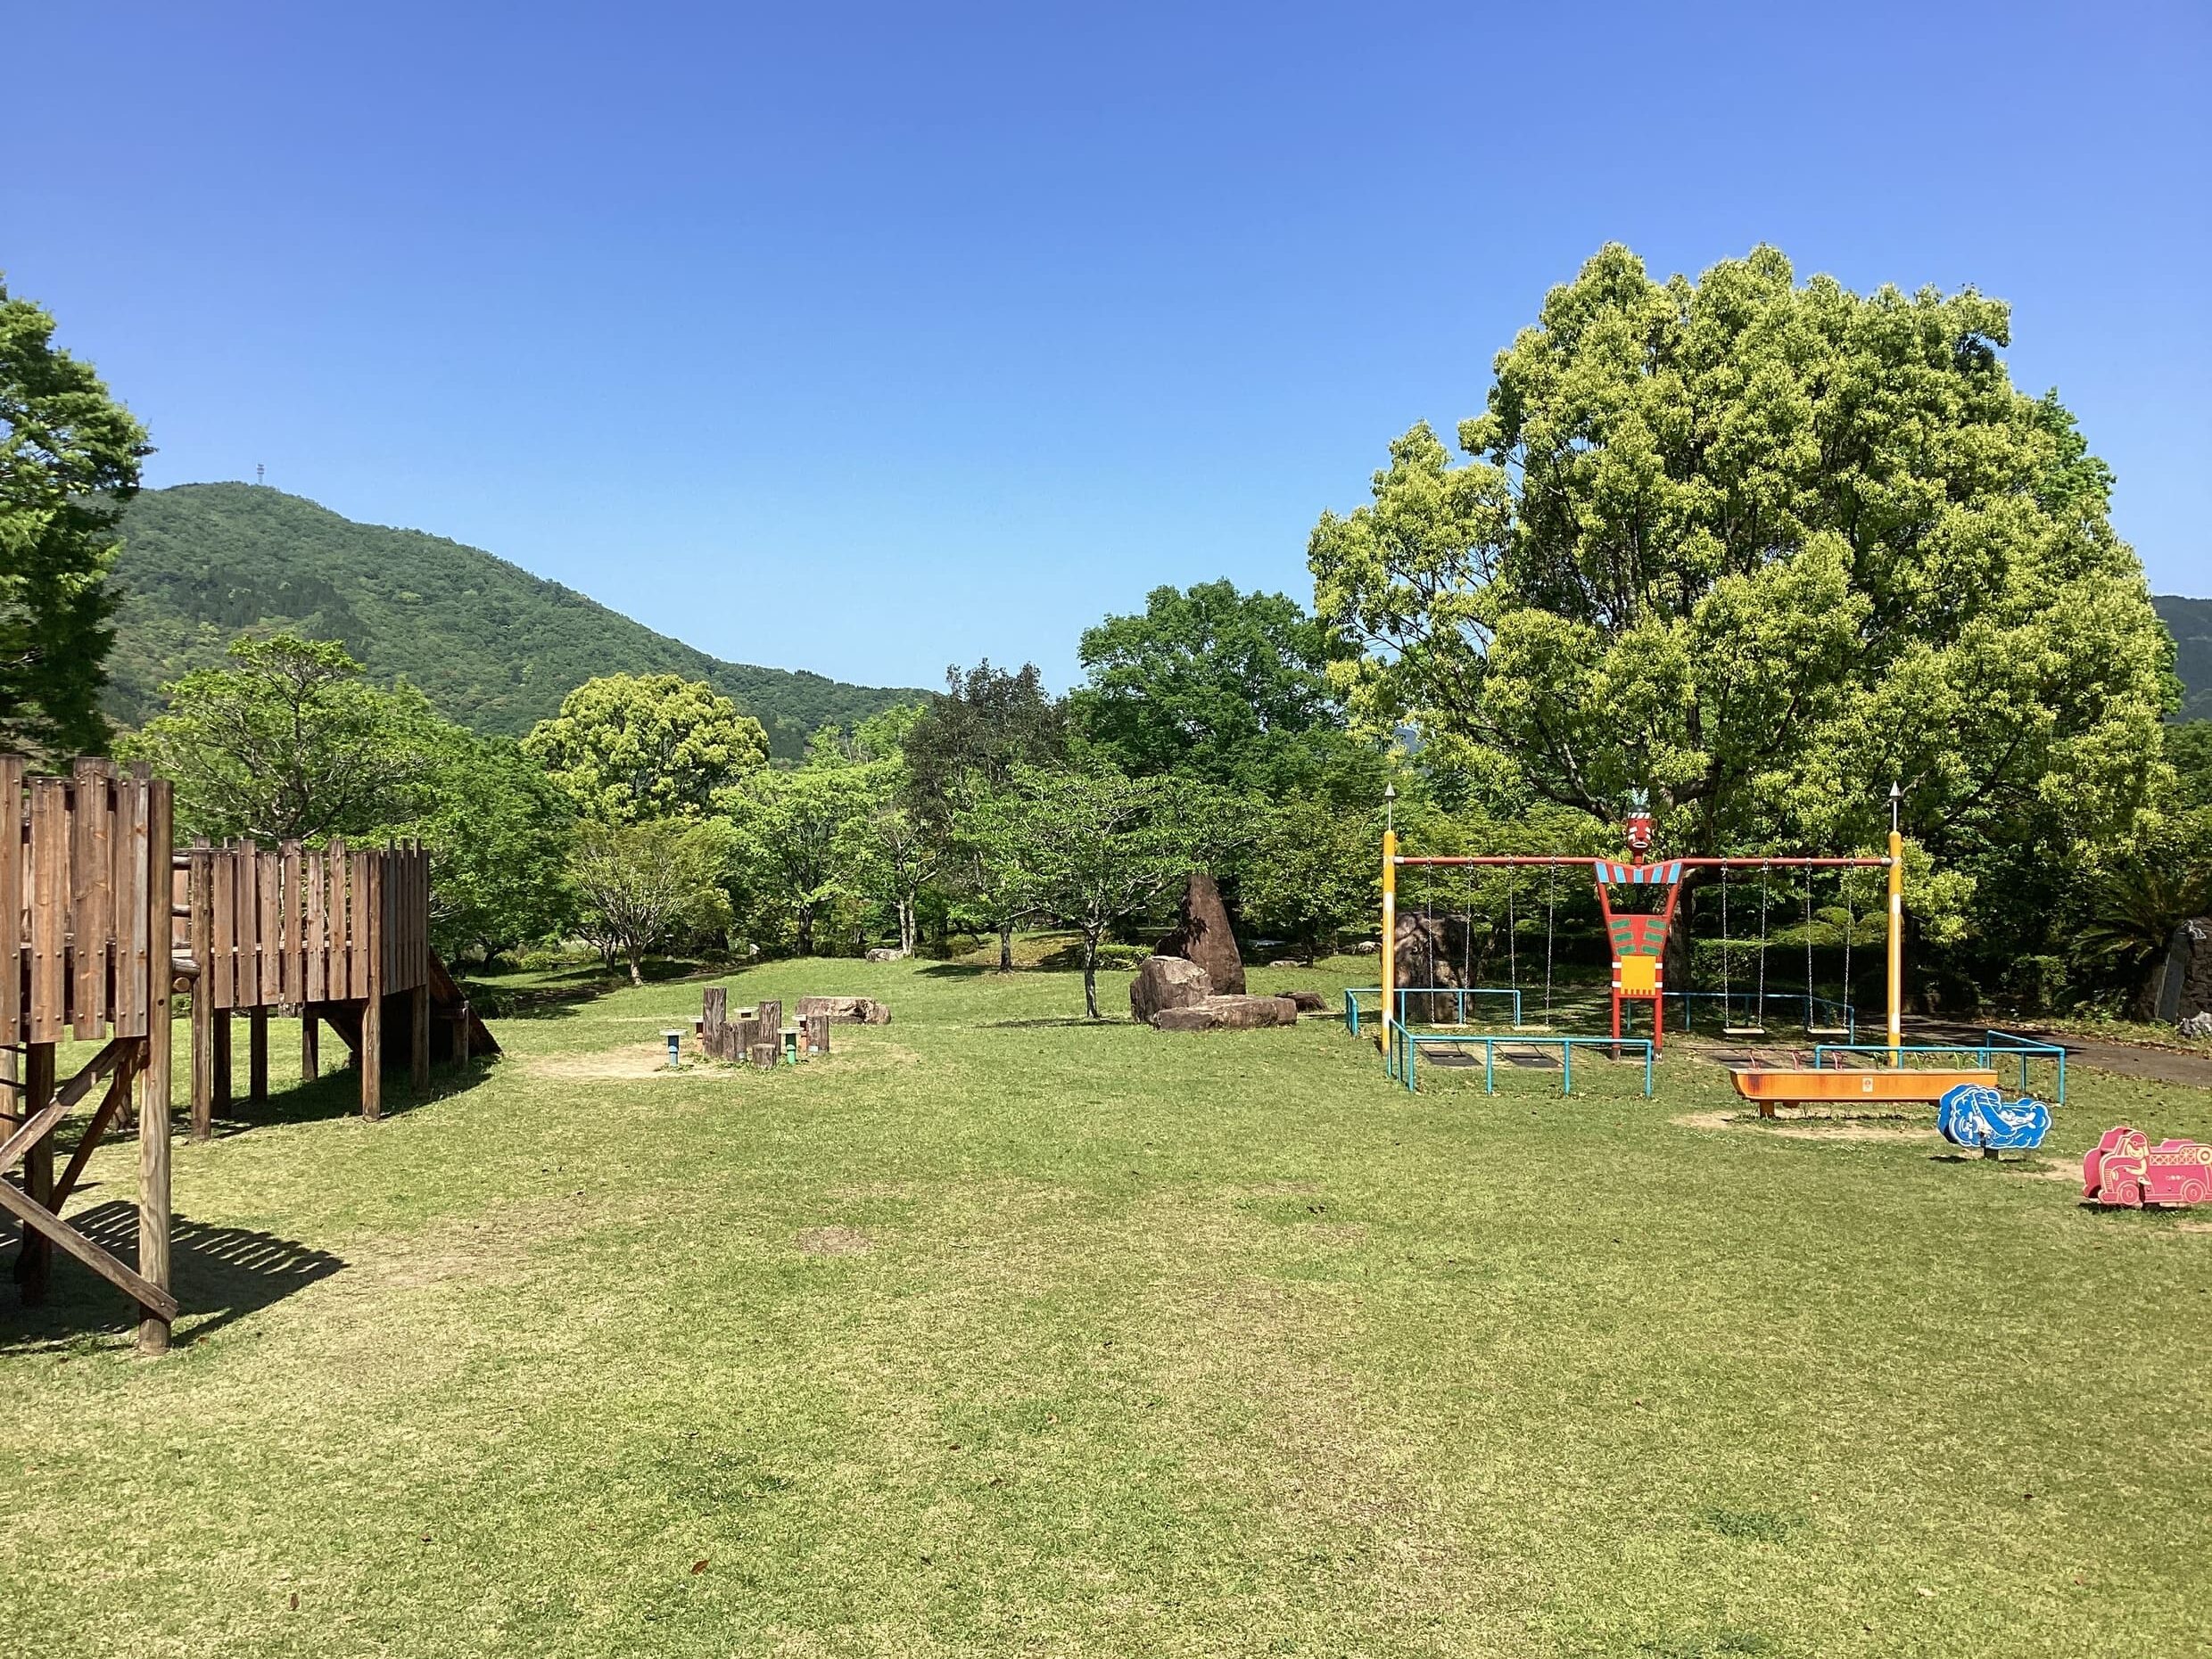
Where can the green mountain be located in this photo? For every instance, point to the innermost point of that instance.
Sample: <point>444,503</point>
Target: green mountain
<point>493,646</point>
<point>2189,622</point>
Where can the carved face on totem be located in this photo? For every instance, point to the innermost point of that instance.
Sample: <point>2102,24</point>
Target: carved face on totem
<point>1639,828</point>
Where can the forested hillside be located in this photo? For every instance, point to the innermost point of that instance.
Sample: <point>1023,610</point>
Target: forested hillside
<point>492,646</point>
<point>2189,622</point>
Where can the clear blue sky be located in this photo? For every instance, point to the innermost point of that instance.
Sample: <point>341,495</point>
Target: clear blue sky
<point>872,340</point>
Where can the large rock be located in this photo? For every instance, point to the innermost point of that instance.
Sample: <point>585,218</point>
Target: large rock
<point>1228,1013</point>
<point>887,954</point>
<point>844,1011</point>
<point>1310,1002</point>
<point>1166,982</point>
<point>2181,985</point>
<point>1202,934</point>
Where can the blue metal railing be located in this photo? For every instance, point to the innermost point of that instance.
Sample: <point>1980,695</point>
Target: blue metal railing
<point>1403,1053</point>
<point>1985,1052</point>
<point>1354,1014</point>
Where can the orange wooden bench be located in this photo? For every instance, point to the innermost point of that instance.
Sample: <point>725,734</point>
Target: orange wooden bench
<point>1822,1085</point>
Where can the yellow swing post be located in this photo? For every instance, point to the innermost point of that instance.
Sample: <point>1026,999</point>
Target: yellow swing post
<point>1389,940</point>
<point>1896,944</point>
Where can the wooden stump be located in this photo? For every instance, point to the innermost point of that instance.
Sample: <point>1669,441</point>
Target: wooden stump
<point>766,1055</point>
<point>817,1034</point>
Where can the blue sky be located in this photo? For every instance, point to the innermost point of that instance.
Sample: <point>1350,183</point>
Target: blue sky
<point>873,339</point>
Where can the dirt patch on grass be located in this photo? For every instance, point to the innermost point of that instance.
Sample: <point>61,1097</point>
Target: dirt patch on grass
<point>834,1241</point>
<point>633,1059</point>
<point>1804,1128</point>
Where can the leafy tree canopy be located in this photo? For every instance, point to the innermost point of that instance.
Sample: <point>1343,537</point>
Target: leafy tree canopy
<point>646,886</point>
<point>69,458</point>
<point>1095,846</point>
<point>628,748</point>
<point>499,832</point>
<point>985,722</point>
<point>290,743</point>
<point>1231,688</point>
<point>1759,548</point>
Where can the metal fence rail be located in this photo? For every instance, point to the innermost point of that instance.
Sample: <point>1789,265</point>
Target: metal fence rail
<point>1993,1045</point>
<point>1403,1052</point>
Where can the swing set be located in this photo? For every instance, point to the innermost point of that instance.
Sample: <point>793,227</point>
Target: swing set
<point>1637,935</point>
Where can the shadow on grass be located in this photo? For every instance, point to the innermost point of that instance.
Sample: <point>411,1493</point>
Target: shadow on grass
<point>337,1093</point>
<point>1104,1022</point>
<point>219,1273</point>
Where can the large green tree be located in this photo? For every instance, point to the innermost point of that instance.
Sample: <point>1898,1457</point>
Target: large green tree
<point>644,886</point>
<point>499,832</point>
<point>1230,688</point>
<point>1095,847</point>
<point>291,742</point>
<point>628,748</point>
<point>69,458</point>
<point>969,739</point>
<point>1759,548</point>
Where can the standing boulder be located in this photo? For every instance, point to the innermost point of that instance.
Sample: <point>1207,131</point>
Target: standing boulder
<point>1164,982</point>
<point>1202,934</point>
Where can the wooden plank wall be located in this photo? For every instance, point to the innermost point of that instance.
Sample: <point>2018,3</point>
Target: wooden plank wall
<point>298,925</point>
<point>75,887</point>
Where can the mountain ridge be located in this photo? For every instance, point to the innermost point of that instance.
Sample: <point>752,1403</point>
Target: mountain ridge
<point>494,647</point>
<point>2189,622</point>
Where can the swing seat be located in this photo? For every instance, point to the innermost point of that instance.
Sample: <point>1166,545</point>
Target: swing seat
<point>1743,1031</point>
<point>1828,1031</point>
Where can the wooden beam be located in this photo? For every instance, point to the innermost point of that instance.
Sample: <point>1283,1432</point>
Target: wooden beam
<point>41,1120</point>
<point>111,1107</point>
<point>154,1212</point>
<point>311,1046</point>
<point>35,1261</point>
<point>39,1219</point>
<point>257,1053</point>
<point>418,1033</point>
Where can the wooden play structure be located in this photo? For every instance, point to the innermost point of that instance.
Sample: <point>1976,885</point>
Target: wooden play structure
<point>2125,1170</point>
<point>340,937</point>
<point>85,913</point>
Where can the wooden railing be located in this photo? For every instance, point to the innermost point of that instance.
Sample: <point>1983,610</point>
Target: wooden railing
<point>75,921</point>
<point>296,925</point>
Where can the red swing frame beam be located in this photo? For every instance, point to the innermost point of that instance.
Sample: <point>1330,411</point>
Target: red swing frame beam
<point>1392,860</point>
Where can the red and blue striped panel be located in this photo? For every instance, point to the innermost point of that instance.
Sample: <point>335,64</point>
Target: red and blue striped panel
<point>1666,875</point>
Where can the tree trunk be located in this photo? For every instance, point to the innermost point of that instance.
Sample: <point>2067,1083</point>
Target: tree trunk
<point>806,929</point>
<point>636,978</point>
<point>1090,976</point>
<point>1006,947</point>
<point>906,923</point>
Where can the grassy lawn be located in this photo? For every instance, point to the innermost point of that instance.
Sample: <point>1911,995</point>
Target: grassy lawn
<point>998,1332</point>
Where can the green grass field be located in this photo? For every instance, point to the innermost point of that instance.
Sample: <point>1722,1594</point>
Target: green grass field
<point>998,1332</point>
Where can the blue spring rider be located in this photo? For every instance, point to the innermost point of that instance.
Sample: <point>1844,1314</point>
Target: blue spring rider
<point>1975,1115</point>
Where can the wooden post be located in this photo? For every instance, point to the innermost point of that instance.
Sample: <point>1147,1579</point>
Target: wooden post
<point>766,1054</point>
<point>818,1032</point>
<point>153,1158</point>
<point>199,940</point>
<point>257,1053</point>
<point>311,1046</point>
<point>35,1263</point>
<point>218,1055</point>
<point>418,1078</point>
<point>770,1027</point>
<point>368,963</point>
<point>370,1059</point>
